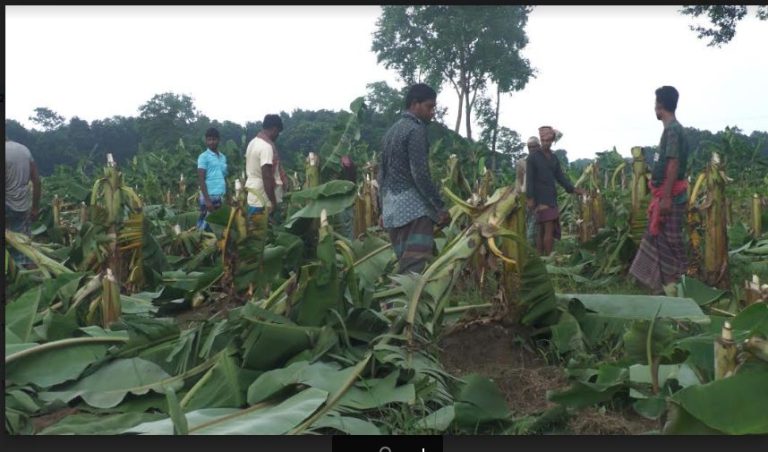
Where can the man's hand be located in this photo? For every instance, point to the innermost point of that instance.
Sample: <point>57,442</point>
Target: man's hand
<point>209,205</point>
<point>580,191</point>
<point>381,221</point>
<point>666,205</point>
<point>33,213</point>
<point>443,218</point>
<point>531,204</point>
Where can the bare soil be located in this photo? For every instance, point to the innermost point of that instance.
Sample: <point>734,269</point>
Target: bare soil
<point>500,353</point>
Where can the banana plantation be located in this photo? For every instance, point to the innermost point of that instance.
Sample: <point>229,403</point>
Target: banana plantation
<point>133,321</point>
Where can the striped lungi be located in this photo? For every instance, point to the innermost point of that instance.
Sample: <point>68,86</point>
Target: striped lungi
<point>413,244</point>
<point>662,259</point>
<point>549,213</point>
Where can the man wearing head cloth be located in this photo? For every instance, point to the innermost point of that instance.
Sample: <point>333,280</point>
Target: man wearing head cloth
<point>543,169</point>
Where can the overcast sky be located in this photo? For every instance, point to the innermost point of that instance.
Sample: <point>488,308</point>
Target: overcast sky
<point>597,66</point>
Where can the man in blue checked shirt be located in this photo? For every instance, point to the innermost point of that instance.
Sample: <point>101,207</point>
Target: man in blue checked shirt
<point>211,175</point>
<point>411,204</point>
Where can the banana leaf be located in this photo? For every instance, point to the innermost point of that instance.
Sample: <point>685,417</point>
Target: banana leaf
<point>268,345</point>
<point>324,191</point>
<point>733,405</point>
<point>20,314</point>
<point>480,401</point>
<point>94,424</point>
<point>347,424</point>
<point>256,420</point>
<point>332,204</point>
<point>640,307</point>
<point>439,420</point>
<point>51,367</point>
<point>109,385</point>
<point>698,291</point>
<point>753,320</point>
<point>326,376</point>
<point>378,392</point>
<point>223,386</point>
<point>640,375</point>
<point>610,379</point>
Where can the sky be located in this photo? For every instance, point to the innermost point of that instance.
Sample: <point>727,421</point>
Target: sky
<point>597,66</point>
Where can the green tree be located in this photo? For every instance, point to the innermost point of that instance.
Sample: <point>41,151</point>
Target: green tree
<point>47,119</point>
<point>15,131</point>
<point>509,144</point>
<point>165,119</point>
<point>723,19</point>
<point>385,100</point>
<point>467,46</point>
<point>80,135</point>
<point>118,135</point>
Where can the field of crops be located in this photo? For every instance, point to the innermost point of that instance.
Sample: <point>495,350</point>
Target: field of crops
<point>133,321</point>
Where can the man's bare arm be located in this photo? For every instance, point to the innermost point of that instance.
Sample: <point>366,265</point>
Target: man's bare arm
<point>36,189</point>
<point>268,175</point>
<point>203,186</point>
<point>671,176</point>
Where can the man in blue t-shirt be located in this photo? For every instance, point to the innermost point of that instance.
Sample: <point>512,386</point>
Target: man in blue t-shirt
<point>211,175</point>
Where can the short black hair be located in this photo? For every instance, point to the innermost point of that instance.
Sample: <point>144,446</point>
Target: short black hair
<point>667,96</point>
<point>419,92</point>
<point>271,121</point>
<point>212,132</point>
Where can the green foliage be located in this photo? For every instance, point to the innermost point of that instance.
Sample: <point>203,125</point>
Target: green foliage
<point>466,46</point>
<point>723,18</point>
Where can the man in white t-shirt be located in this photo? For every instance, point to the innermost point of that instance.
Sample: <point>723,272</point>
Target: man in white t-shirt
<point>262,168</point>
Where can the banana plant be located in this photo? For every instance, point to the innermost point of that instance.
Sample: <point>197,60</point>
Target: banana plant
<point>366,204</point>
<point>109,198</point>
<point>487,223</point>
<point>713,205</point>
<point>591,205</point>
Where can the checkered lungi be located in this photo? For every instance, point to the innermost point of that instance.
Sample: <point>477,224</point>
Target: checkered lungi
<point>662,259</point>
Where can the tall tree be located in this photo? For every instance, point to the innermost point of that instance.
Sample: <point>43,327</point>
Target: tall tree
<point>118,135</point>
<point>47,119</point>
<point>723,19</point>
<point>465,46</point>
<point>80,135</point>
<point>165,119</point>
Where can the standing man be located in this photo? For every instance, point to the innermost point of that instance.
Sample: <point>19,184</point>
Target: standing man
<point>21,209</point>
<point>411,204</point>
<point>661,259</point>
<point>543,169</point>
<point>262,168</point>
<point>211,176</point>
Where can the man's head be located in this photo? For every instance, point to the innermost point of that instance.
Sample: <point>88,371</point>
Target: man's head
<point>212,138</point>
<point>421,101</point>
<point>547,136</point>
<point>666,101</point>
<point>272,126</point>
<point>533,145</point>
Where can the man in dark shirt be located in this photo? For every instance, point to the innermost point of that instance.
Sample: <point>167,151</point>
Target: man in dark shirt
<point>411,204</point>
<point>661,259</point>
<point>543,169</point>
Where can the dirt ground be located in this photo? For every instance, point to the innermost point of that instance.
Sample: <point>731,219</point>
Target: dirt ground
<point>494,351</point>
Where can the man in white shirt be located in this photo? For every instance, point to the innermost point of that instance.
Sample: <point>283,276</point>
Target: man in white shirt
<point>262,167</point>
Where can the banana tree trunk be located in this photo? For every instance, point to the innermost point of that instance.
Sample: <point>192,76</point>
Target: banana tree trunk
<point>716,245</point>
